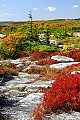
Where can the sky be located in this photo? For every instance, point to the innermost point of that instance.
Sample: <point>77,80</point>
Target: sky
<point>18,10</point>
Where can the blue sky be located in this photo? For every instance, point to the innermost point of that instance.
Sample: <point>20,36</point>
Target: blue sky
<point>18,10</point>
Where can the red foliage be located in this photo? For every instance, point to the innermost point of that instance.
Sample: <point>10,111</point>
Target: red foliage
<point>46,61</point>
<point>1,69</point>
<point>64,93</point>
<point>74,53</point>
<point>13,65</point>
<point>23,54</point>
<point>37,55</point>
<point>38,112</point>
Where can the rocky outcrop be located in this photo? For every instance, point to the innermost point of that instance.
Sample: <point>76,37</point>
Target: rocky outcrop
<point>62,59</point>
<point>20,93</point>
<point>62,65</point>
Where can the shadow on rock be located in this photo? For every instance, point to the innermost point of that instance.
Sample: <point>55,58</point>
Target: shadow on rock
<point>5,79</point>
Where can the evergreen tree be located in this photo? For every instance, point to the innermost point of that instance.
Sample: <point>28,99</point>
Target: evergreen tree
<point>47,34</point>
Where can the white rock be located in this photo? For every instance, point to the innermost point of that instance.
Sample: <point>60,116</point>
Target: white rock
<point>65,116</point>
<point>16,62</point>
<point>19,65</point>
<point>60,58</point>
<point>62,65</point>
<point>75,72</point>
<point>33,98</point>
<point>43,83</point>
<point>24,75</point>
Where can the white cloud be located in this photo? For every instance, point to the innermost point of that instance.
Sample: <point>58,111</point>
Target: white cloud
<point>6,14</point>
<point>75,6</point>
<point>51,8</point>
<point>35,8</point>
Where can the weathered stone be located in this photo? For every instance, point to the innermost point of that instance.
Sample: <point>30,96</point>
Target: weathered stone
<point>64,116</point>
<point>25,75</point>
<point>19,65</point>
<point>60,58</point>
<point>62,65</point>
<point>16,62</point>
<point>23,109</point>
<point>43,83</point>
<point>4,89</point>
<point>75,72</point>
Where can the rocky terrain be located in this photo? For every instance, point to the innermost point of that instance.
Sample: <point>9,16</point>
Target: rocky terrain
<point>21,94</point>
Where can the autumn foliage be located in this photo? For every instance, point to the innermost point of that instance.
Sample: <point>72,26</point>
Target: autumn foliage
<point>37,55</point>
<point>46,61</point>
<point>64,95</point>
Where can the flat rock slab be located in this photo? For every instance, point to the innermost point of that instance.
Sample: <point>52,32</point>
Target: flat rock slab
<point>75,72</point>
<point>3,89</point>
<point>60,58</point>
<point>23,109</point>
<point>25,75</point>
<point>64,116</point>
<point>43,83</point>
<point>15,93</point>
<point>34,87</point>
<point>62,65</point>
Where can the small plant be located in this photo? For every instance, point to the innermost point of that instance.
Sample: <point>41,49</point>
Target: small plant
<point>6,71</point>
<point>23,54</point>
<point>35,70</point>
<point>64,95</point>
<point>38,112</point>
<point>46,61</point>
<point>37,55</point>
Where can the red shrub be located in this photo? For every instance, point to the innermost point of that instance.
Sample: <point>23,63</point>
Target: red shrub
<point>74,53</point>
<point>46,61</point>
<point>13,65</point>
<point>37,55</point>
<point>23,54</point>
<point>64,93</point>
<point>38,112</point>
<point>1,69</point>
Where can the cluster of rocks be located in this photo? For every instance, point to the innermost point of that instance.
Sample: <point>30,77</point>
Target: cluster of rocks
<point>20,93</point>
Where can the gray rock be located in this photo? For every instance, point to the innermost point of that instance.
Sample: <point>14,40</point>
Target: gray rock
<point>23,109</point>
<point>19,65</point>
<point>16,62</point>
<point>17,95</point>
<point>62,65</point>
<point>40,83</point>
<point>75,72</point>
<point>25,70</point>
<point>60,58</point>
<point>32,64</point>
<point>25,75</point>
<point>4,89</point>
<point>34,87</point>
<point>64,116</point>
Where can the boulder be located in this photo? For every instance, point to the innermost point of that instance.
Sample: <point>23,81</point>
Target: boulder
<point>61,59</point>
<point>64,116</point>
<point>75,72</point>
<point>62,65</point>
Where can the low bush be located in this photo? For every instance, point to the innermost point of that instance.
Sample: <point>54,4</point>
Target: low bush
<point>6,71</point>
<point>46,61</point>
<point>35,70</point>
<point>74,53</point>
<point>37,55</point>
<point>23,54</point>
<point>64,95</point>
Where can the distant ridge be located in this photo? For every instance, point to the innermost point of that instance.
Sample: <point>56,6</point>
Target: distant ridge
<point>4,22</point>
